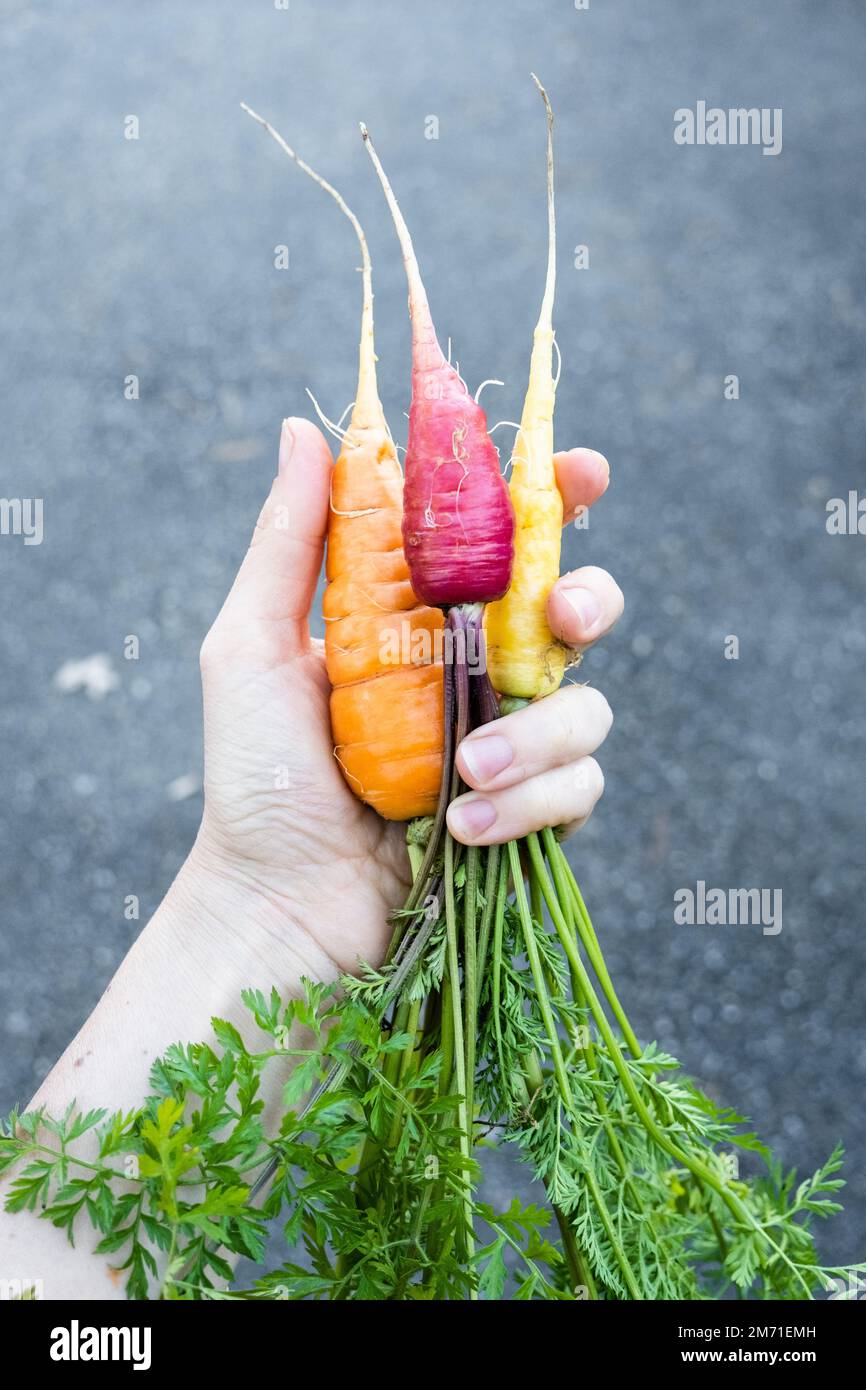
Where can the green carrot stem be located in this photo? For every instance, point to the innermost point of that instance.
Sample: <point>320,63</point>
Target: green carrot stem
<point>573,905</point>
<point>535,901</point>
<point>581,1274</point>
<point>372,1147</point>
<point>391,1064</point>
<point>588,1048</point>
<point>570,908</point>
<point>446,1030</point>
<point>536,898</point>
<point>459,1043</point>
<point>565,883</point>
<point>431,1031</point>
<point>536,908</point>
<point>497,870</point>
<point>404,1062</point>
<point>695,1165</point>
<point>408,1052</point>
<point>538,973</point>
<point>446,1069</point>
<point>558,1064</point>
<point>470,982</point>
<point>498,922</point>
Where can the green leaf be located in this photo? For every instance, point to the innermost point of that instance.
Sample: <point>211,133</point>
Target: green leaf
<point>491,1282</point>
<point>158,1232</point>
<point>114,1240</point>
<point>82,1123</point>
<point>743,1260</point>
<point>228,1035</point>
<point>303,1078</point>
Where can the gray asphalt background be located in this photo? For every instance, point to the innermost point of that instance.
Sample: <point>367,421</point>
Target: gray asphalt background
<point>155,257</point>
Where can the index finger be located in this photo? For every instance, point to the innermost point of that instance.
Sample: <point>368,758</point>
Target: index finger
<point>582,476</point>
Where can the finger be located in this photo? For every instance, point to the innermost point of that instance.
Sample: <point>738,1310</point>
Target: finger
<point>563,794</point>
<point>584,605</point>
<point>568,725</point>
<point>582,475</point>
<point>277,579</point>
<point>571,827</point>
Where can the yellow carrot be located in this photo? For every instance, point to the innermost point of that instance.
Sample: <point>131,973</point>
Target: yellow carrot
<point>524,658</point>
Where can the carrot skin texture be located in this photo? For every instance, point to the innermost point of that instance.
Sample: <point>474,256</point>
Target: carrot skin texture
<point>387,714</point>
<point>524,658</point>
<point>458,521</point>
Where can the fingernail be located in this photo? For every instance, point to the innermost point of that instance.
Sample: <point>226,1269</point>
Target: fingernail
<point>287,444</point>
<point>485,757</point>
<point>470,818</point>
<point>585,605</point>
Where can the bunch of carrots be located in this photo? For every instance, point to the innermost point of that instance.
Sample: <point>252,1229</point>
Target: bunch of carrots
<point>495,1004</point>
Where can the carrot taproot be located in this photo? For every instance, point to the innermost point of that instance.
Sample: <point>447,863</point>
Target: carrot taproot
<point>458,522</point>
<point>523,656</point>
<point>383,660</point>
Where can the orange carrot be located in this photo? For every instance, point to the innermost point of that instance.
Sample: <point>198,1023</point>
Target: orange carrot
<point>381,647</point>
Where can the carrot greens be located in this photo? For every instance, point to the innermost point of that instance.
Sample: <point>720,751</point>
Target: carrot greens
<point>168,1185</point>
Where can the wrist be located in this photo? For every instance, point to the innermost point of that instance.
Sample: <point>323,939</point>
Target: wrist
<point>224,932</point>
<point>212,937</point>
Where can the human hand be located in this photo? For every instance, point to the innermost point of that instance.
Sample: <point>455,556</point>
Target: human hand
<point>279,819</point>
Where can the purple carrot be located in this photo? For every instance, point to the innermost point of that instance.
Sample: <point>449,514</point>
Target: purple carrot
<point>458,521</point>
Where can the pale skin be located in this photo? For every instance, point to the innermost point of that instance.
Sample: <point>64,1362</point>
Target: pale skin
<point>262,897</point>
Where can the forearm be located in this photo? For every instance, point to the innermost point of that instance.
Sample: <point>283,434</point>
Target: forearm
<point>211,938</point>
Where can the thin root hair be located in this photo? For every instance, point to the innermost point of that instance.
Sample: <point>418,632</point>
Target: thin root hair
<point>396,447</point>
<point>365,511</point>
<point>344,414</point>
<point>329,424</point>
<point>491,381</point>
<point>516,458</point>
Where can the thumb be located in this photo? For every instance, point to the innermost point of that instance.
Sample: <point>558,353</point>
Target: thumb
<point>277,580</point>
